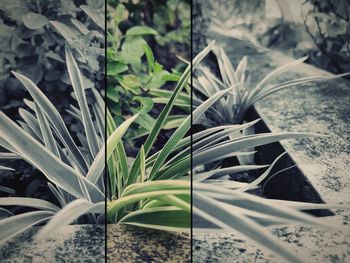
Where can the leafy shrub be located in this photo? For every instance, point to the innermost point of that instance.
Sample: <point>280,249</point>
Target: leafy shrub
<point>134,76</point>
<point>170,18</point>
<point>328,24</point>
<point>32,34</point>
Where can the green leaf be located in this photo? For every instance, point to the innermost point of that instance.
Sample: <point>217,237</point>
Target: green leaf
<point>140,30</point>
<point>70,34</point>
<point>167,218</point>
<point>97,17</point>
<point>130,82</point>
<point>149,57</point>
<point>34,21</point>
<point>115,67</point>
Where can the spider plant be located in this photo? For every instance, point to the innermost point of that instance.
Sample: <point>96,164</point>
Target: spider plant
<point>154,191</point>
<point>74,170</point>
<point>232,107</point>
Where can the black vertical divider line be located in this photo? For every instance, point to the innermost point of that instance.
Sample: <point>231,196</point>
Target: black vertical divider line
<point>191,175</point>
<point>106,175</point>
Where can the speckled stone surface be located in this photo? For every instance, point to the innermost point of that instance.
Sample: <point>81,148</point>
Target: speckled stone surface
<point>314,245</point>
<point>318,107</point>
<point>79,243</point>
<point>133,244</point>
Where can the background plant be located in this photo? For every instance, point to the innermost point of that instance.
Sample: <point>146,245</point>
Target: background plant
<point>170,18</point>
<point>328,24</point>
<point>135,78</point>
<point>243,94</point>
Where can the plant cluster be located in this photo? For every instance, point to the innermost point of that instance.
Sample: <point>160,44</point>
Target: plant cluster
<point>151,189</point>
<point>243,94</point>
<point>74,170</point>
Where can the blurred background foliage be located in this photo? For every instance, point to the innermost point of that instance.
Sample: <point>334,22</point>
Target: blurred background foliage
<point>33,34</point>
<point>317,28</point>
<point>171,19</point>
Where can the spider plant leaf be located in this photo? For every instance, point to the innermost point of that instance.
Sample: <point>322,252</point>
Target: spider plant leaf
<point>84,189</point>
<point>9,147</point>
<point>100,121</point>
<point>243,143</point>
<point>174,121</point>
<point>32,122</point>
<point>96,169</point>
<point>30,131</point>
<point>150,186</point>
<point>230,220</point>
<point>262,177</point>
<point>258,204</point>
<point>176,170</point>
<point>166,94</point>
<point>68,214</point>
<point>99,101</point>
<point>142,164</point>
<point>114,206</point>
<point>78,86</point>
<point>112,161</point>
<point>29,202</point>
<point>218,136</point>
<point>265,92</point>
<point>236,169</point>
<point>8,156</point>
<point>95,16</point>
<point>5,210</point>
<point>57,194</point>
<point>168,218</point>
<point>16,224</point>
<point>275,73</point>
<point>241,68</point>
<point>177,202</point>
<point>226,70</point>
<point>4,168</point>
<point>46,132</point>
<point>182,130</point>
<point>44,160</point>
<point>55,119</point>
<point>116,136</point>
<point>307,206</point>
<point>165,113</point>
